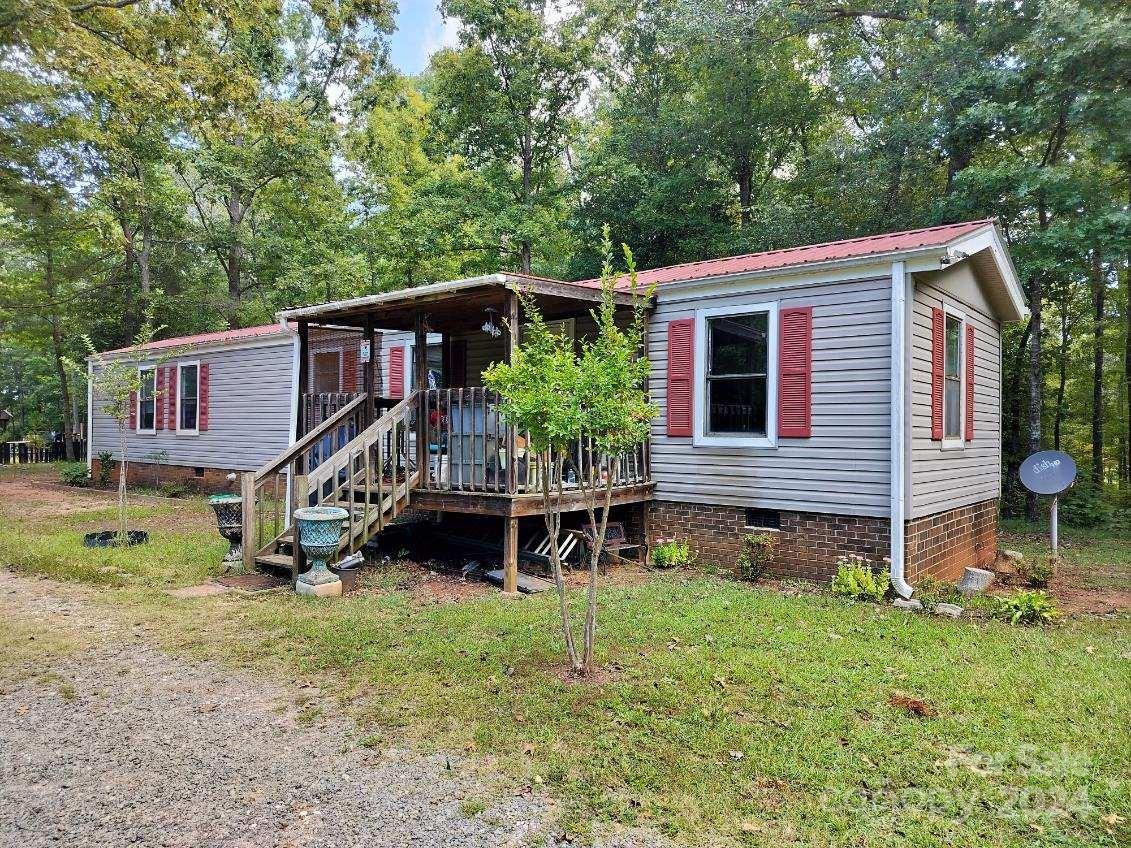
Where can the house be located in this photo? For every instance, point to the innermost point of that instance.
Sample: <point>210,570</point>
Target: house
<point>843,396</point>
<point>216,403</point>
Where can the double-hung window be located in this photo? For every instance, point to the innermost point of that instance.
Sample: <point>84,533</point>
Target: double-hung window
<point>147,400</point>
<point>952,379</point>
<point>188,397</point>
<point>736,382</point>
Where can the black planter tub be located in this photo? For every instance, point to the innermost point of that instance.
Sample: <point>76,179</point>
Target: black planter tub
<point>109,538</point>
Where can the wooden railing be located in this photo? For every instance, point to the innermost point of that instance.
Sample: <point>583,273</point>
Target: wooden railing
<point>371,477</point>
<point>470,448</point>
<point>270,495</point>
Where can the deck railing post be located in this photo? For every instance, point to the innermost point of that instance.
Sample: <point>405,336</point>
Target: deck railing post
<point>250,530</point>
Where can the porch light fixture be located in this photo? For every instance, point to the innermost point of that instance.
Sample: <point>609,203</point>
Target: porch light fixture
<point>491,326</point>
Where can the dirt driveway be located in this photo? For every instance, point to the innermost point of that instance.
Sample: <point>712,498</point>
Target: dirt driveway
<point>117,743</point>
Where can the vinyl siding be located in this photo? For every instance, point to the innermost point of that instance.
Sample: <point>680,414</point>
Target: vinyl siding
<point>844,468</point>
<point>945,479</point>
<point>249,414</point>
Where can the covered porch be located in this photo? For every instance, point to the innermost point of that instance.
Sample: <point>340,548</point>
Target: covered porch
<point>423,433</point>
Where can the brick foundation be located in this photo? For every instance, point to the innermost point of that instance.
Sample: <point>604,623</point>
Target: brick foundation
<point>808,543</point>
<point>212,481</point>
<point>940,546</point>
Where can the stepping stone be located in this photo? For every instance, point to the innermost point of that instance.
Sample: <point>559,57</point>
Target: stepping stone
<point>907,604</point>
<point>951,610</point>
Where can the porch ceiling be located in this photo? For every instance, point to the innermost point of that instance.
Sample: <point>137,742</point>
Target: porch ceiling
<point>452,306</point>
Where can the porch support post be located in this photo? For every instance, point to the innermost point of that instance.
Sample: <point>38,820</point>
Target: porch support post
<point>369,375</point>
<point>512,442</point>
<point>303,381</point>
<point>420,382</point>
<point>510,556</point>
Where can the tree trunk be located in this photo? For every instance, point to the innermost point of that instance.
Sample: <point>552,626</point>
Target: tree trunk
<point>234,262</point>
<point>527,199</point>
<point>1063,376</point>
<point>744,175</point>
<point>123,528</point>
<point>590,636</point>
<point>145,253</point>
<point>1099,293</point>
<point>1127,353</point>
<point>1013,430</point>
<point>551,512</point>
<point>60,368</point>
<point>1036,381</point>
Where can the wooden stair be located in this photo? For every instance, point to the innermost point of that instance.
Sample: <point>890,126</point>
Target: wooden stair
<point>370,477</point>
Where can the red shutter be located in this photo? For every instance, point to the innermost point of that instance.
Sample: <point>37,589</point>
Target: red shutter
<point>795,373</point>
<point>938,351</point>
<point>202,414</point>
<point>681,375</point>
<point>159,400</point>
<point>396,371</point>
<point>133,411</point>
<point>174,379</point>
<point>969,382</point>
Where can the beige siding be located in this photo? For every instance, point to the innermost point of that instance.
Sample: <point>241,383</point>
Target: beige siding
<point>844,467</point>
<point>249,413</point>
<point>945,479</point>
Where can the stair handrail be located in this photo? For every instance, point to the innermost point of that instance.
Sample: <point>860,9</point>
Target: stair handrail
<point>327,469</point>
<point>273,466</point>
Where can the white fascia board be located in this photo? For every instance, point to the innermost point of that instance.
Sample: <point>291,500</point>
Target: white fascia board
<point>300,312</point>
<point>990,238</point>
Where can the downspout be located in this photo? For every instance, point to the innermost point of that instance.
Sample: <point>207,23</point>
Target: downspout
<point>899,465</point>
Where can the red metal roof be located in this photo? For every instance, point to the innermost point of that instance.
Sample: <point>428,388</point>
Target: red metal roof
<point>829,251</point>
<point>207,338</point>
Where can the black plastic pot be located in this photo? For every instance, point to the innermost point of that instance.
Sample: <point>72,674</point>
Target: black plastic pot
<point>348,576</point>
<point>109,538</point>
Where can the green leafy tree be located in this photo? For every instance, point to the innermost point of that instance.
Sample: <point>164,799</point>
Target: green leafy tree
<point>596,397</point>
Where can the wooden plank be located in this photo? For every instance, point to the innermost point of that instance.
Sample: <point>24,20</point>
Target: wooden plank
<point>247,492</point>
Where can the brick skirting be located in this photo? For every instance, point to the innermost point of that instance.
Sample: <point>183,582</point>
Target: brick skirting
<point>940,546</point>
<point>808,546</point>
<point>212,481</point>
<point>937,546</point>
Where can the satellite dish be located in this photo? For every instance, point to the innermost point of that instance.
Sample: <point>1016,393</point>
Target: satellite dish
<point>1048,472</point>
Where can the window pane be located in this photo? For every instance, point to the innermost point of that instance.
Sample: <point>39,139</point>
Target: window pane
<point>738,344</point>
<point>188,395</point>
<point>737,405</point>
<point>953,347</point>
<point>952,412</point>
<point>145,397</point>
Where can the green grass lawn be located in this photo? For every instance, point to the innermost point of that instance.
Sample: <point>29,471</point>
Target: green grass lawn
<point>728,714</point>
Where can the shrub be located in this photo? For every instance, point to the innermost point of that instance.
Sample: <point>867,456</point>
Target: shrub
<point>73,473</point>
<point>1026,608</point>
<point>758,553</point>
<point>1037,572</point>
<point>1084,506</point>
<point>856,578</point>
<point>35,440</point>
<point>672,553</point>
<point>173,489</point>
<point>104,469</point>
<point>935,592</point>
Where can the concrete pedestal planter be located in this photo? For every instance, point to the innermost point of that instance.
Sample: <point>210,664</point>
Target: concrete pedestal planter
<point>229,520</point>
<point>319,530</point>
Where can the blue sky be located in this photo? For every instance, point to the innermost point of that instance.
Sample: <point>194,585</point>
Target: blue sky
<point>420,33</point>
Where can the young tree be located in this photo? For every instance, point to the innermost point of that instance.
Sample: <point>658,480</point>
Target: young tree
<point>117,381</point>
<point>597,398</point>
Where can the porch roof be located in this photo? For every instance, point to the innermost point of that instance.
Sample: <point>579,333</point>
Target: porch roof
<point>456,304</point>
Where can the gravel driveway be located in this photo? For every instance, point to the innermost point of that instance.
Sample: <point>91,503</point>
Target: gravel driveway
<point>122,744</point>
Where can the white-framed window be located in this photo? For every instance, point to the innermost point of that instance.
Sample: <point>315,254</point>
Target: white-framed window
<point>147,399</point>
<point>736,357</point>
<point>954,378</point>
<point>188,397</point>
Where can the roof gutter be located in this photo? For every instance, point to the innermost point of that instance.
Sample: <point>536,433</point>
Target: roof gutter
<point>901,282</point>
